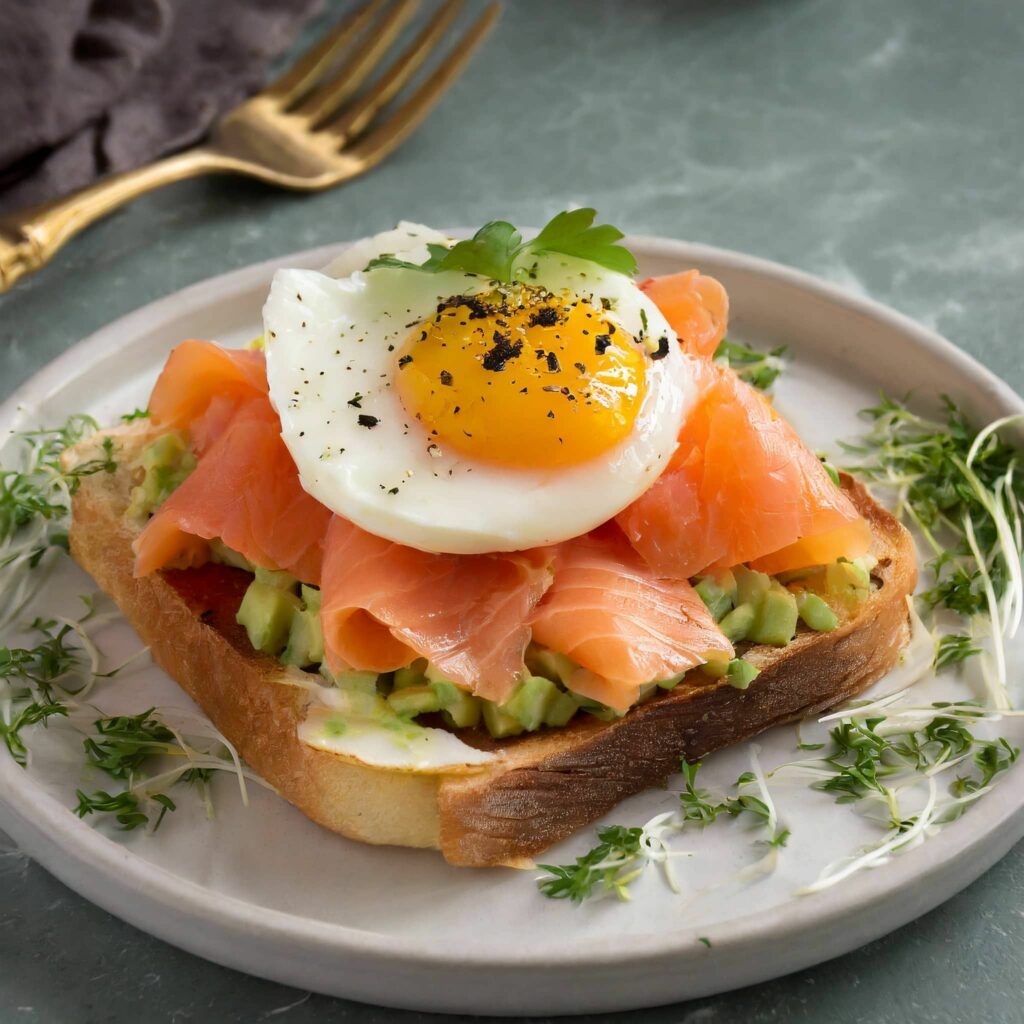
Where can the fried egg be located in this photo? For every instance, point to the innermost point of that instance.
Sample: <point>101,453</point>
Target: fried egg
<point>451,413</point>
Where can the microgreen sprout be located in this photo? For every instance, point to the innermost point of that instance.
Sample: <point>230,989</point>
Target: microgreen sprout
<point>962,489</point>
<point>880,760</point>
<point>953,648</point>
<point>759,369</point>
<point>147,752</point>
<point>623,854</point>
<point>35,501</point>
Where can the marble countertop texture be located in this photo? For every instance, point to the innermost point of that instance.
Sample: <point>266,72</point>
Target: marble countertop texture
<point>876,143</point>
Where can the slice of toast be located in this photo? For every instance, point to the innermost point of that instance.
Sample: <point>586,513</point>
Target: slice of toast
<point>546,785</point>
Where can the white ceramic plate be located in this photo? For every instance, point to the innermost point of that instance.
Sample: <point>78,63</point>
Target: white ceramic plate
<point>264,890</point>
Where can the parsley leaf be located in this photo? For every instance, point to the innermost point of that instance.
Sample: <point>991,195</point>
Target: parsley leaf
<point>573,233</point>
<point>497,251</point>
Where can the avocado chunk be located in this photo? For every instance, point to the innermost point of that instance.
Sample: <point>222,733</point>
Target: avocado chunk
<point>738,623</point>
<point>359,682</point>
<point>741,673</point>
<point>460,708</point>
<point>499,724</point>
<point>751,586</point>
<point>552,665</point>
<point>277,578</point>
<point>715,667</point>
<point>775,622</point>
<point>305,640</point>
<point>596,708</point>
<point>165,464</point>
<point>847,582</point>
<point>815,613</point>
<point>718,593</point>
<point>414,700</point>
<point>671,682</point>
<point>266,612</point>
<point>531,701</point>
<point>561,710</point>
<point>220,552</point>
<point>411,675</point>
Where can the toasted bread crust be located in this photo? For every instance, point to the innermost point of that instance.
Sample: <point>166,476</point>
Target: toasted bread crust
<point>546,785</point>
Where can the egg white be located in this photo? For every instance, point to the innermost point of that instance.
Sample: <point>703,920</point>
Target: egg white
<point>329,340</point>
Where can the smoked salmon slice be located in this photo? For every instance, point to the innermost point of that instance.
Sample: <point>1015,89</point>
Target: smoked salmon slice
<point>742,487</point>
<point>384,604</point>
<point>620,622</point>
<point>696,307</point>
<point>202,386</point>
<point>245,490</point>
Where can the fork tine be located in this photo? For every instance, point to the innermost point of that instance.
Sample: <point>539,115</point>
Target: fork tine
<point>324,100</point>
<point>393,131</point>
<point>306,71</point>
<point>365,108</point>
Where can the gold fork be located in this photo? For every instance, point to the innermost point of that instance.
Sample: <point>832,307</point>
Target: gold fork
<point>308,130</point>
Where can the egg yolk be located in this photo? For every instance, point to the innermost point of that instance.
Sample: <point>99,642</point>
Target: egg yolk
<point>524,379</point>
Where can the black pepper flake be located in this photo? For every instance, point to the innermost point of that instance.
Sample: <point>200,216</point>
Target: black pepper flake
<point>551,414</point>
<point>662,350</point>
<point>478,309</point>
<point>504,350</point>
<point>391,348</point>
<point>553,362</point>
<point>404,361</point>
<point>546,317</point>
<point>601,343</point>
<point>456,410</point>
<point>393,490</point>
<point>423,335</point>
<point>446,378</point>
<point>524,391</point>
<point>355,400</point>
<point>367,421</point>
<point>582,367</point>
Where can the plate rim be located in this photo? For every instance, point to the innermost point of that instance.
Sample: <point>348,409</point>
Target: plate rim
<point>112,864</point>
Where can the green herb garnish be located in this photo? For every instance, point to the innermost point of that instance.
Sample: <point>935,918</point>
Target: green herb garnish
<point>124,742</point>
<point>962,489</point>
<point>623,853</point>
<point>759,369</point>
<point>126,807</point>
<point>497,251</point>
<point>604,869</point>
<point>954,648</point>
<point>35,499</point>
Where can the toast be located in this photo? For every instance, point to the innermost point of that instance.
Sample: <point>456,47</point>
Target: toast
<point>545,785</point>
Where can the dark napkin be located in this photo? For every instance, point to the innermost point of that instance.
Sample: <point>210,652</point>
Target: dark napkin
<point>88,87</point>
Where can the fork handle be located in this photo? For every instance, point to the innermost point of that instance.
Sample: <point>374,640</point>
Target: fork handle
<point>29,238</point>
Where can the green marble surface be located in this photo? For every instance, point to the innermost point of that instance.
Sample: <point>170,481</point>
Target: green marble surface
<point>873,142</point>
